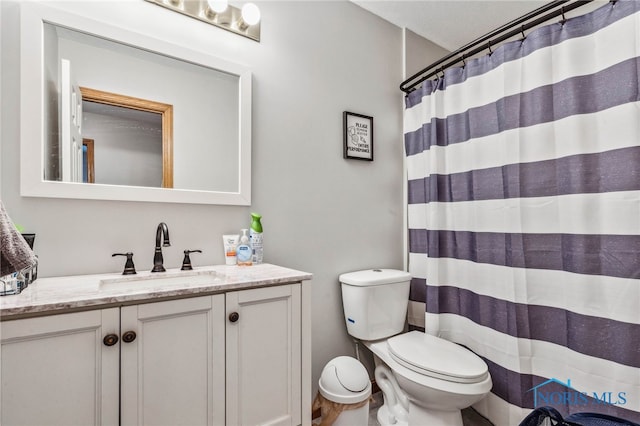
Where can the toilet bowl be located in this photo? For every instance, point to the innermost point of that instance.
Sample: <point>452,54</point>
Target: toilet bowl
<point>425,380</point>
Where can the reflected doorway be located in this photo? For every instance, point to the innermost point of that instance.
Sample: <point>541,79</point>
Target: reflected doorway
<point>88,162</point>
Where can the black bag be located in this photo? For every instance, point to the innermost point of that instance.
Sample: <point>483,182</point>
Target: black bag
<point>538,417</point>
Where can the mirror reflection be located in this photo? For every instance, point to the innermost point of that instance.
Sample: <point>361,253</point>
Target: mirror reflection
<point>119,115</point>
<point>129,137</point>
<point>136,134</point>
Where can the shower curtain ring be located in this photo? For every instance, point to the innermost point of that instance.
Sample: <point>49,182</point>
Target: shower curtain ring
<point>522,31</point>
<point>464,62</point>
<point>563,17</point>
<point>439,77</point>
<point>489,47</point>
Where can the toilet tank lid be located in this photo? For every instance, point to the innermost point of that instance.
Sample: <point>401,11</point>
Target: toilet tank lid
<point>370,277</point>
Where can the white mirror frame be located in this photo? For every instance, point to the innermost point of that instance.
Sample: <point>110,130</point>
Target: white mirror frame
<point>32,183</point>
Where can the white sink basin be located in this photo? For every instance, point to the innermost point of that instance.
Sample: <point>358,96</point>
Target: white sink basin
<point>163,280</point>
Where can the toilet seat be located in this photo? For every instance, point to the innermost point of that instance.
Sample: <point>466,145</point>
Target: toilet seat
<point>438,358</point>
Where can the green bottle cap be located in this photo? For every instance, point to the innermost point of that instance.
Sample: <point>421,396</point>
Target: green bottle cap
<point>255,222</point>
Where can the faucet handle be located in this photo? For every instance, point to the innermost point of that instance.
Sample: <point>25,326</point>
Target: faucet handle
<point>129,267</point>
<point>186,262</point>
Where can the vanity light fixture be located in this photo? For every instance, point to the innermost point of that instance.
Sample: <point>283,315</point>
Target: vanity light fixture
<point>215,8</point>
<point>249,16</point>
<point>245,21</point>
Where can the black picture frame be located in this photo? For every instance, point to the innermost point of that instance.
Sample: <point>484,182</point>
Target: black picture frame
<point>357,136</point>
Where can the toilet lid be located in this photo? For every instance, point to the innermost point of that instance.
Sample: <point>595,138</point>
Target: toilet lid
<point>436,357</point>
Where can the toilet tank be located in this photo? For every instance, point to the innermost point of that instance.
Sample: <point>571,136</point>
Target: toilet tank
<point>375,302</point>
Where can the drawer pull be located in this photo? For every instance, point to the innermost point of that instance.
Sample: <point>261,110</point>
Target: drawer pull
<point>234,316</point>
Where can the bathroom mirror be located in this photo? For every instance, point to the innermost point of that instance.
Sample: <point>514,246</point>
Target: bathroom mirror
<point>204,105</point>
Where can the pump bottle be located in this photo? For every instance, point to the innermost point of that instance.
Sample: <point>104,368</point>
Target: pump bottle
<point>243,251</point>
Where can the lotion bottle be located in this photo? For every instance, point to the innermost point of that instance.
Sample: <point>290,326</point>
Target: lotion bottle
<point>243,251</point>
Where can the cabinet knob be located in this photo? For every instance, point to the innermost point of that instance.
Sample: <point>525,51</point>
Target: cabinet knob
<point>110,339</point>
<point>234,316</point>
<point>129,336</point>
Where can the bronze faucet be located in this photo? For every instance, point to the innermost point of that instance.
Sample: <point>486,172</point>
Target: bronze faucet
<point>162,234</point>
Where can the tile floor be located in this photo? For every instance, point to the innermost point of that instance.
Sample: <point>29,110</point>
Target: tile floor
<point>469,416</point>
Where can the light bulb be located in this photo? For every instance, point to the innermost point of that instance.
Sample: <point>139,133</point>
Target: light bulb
<point>217,6</point>
<point>250,14</point>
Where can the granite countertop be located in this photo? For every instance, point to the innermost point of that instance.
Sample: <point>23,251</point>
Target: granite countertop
<point>81,292</point>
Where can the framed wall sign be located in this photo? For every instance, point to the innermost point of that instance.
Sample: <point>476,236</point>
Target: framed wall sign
<point>358,136</point>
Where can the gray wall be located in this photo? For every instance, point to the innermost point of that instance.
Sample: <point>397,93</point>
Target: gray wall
<point>322,213</point>
<point>420,52</point>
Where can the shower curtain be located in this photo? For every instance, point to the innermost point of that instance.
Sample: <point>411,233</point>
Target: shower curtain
<point>524,215</point>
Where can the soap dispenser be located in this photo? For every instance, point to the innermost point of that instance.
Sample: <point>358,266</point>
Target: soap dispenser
<point>243,251</point>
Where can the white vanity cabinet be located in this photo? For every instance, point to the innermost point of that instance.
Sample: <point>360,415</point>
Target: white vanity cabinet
<point>232,358</point>
<point>172,368</point>
<point>263,348</point>
<point>55,370</point>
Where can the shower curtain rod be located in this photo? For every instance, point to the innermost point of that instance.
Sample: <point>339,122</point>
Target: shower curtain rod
<point>522,24</point>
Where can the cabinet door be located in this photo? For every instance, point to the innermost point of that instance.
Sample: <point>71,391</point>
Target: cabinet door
<point>172,373</point>
<point>55,370</point>
<point>264,356</point>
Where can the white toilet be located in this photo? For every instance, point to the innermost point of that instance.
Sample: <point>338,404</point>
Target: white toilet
<point>425,380</point>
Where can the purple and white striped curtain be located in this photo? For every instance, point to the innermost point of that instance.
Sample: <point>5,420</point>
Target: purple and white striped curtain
<point>524,215</point>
